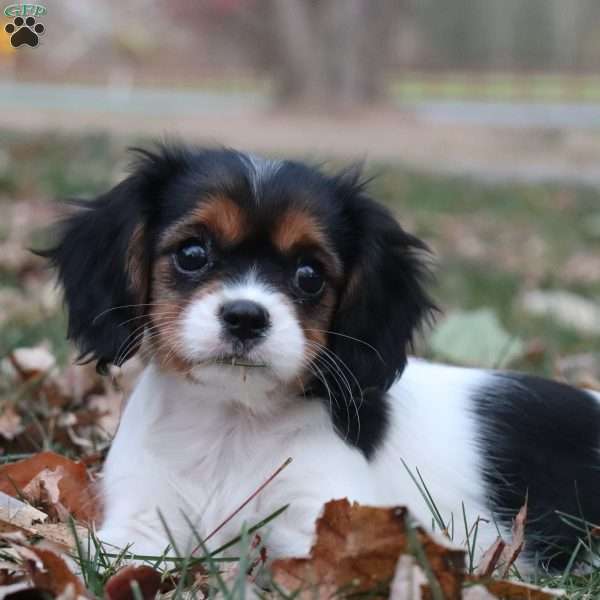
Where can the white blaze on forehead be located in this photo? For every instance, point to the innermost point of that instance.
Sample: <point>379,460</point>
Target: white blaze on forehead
<point>282,348</point>
<point>260,168</point>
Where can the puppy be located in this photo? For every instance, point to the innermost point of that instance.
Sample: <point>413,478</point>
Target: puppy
<point>275,305</point>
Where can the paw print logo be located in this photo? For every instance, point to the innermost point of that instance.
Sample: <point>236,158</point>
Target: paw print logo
<point>24,31</point>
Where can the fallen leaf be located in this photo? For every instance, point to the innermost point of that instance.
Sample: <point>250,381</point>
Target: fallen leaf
<point>72,384</point>
<point>513,590</point>
<point>43,491</point>
<point>18,516</point>
<point>575,368</point>
<point>357,547</point>
<point>511,551</point>
<point>32,362</point>
<point>489,561</point>
<point>74,486</point>
<point>581,268</point>
<point>61,534</point>
<point>11,424</point>
<point>50,573</point>
<point>475,338</point>
<point>16,512</point>
<point>108,407</point>
<point>120,585</point>
<point>566,308</point>
<point>17,258</point>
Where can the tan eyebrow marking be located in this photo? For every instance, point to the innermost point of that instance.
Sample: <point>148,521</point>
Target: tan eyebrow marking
<point>224,218</point>
<point>296,228</point>
<point>220,215</point>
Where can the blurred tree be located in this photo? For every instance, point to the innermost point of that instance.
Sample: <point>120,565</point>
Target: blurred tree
<point>325,54</point>
<point>331,53</point>
<point>339,54</point>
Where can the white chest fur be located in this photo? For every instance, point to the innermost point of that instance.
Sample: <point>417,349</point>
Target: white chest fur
<point>184,449</point>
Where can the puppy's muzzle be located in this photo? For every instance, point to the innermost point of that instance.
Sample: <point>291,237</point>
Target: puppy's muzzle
<point>244,321</point>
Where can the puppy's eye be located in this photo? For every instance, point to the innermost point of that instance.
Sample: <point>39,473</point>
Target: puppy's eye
<point>308,279</point>
<point>191,256</point>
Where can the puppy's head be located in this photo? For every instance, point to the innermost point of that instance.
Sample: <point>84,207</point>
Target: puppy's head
<point>228,267</point>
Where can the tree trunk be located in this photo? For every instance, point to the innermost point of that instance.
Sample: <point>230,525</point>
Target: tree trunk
<point>331,54</point>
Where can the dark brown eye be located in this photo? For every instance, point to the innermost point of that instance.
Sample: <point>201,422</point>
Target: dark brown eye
<point>191,256</point>
<point>308,280</point>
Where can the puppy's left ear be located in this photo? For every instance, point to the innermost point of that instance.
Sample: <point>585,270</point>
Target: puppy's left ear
<point>384,301</point>
<point>102,265</point>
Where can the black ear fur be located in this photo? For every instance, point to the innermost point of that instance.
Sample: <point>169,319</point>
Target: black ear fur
<point>103,257</point>
<point>383,304</point>
<point>92,258</point>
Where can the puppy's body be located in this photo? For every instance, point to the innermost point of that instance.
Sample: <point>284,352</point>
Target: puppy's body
<point>198,456</point>
<point>276,305</point>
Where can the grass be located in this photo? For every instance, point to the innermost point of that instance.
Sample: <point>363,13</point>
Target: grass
<point>492,241</point>
<point>498,87</point>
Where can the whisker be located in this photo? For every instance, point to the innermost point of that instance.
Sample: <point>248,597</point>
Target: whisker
<point>153,315</point>
<point>124,306</point>
<point>132,339</point>
<point>340,383</point>
<point>329,357</point>
<point>349,337</point>
<point>330,352</point>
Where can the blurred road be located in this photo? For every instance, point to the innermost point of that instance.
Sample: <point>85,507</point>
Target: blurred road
<point>151,102</point>
<point>512,114</point>
<point>159,102</point>
<point>486,139</point>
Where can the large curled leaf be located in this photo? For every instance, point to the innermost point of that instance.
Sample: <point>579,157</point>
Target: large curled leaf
<point>475,338</point>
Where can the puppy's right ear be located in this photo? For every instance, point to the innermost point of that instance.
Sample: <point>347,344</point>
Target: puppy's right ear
<point>102,264</point>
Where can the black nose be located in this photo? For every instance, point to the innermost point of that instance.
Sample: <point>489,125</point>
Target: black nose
<point>245,319</point>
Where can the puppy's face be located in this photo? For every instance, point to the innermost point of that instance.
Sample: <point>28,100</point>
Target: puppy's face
<point>230,268</point>
<point>245,288</point>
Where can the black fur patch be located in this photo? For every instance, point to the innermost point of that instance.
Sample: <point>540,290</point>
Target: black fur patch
<point>541,441</point>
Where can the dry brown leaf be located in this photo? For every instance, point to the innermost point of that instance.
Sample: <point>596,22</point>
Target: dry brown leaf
<point>108,408</point>
<point>119,586</point>
<point>61,534</point>
<point>501,555</point>
<point>512,590</point>
<point>32,362</point>
<point>357,547</point>
<point>74,486</point>
<point>11,424</point>
<point>19,514</point>
<point>490,558</point>
<point>46,571</point>
<point>511,551</point>
<point>50,573</point>
<point>16,257</point>
<point>72,385</point>
<point>43,490</point>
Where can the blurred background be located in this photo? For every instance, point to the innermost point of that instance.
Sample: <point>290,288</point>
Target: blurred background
<point>480,119</point>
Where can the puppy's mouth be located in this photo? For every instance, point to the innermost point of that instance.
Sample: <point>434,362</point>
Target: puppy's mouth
<point>239,361</point>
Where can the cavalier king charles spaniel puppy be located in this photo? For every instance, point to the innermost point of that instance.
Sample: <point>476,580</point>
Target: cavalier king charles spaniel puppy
<point>275,305</point>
